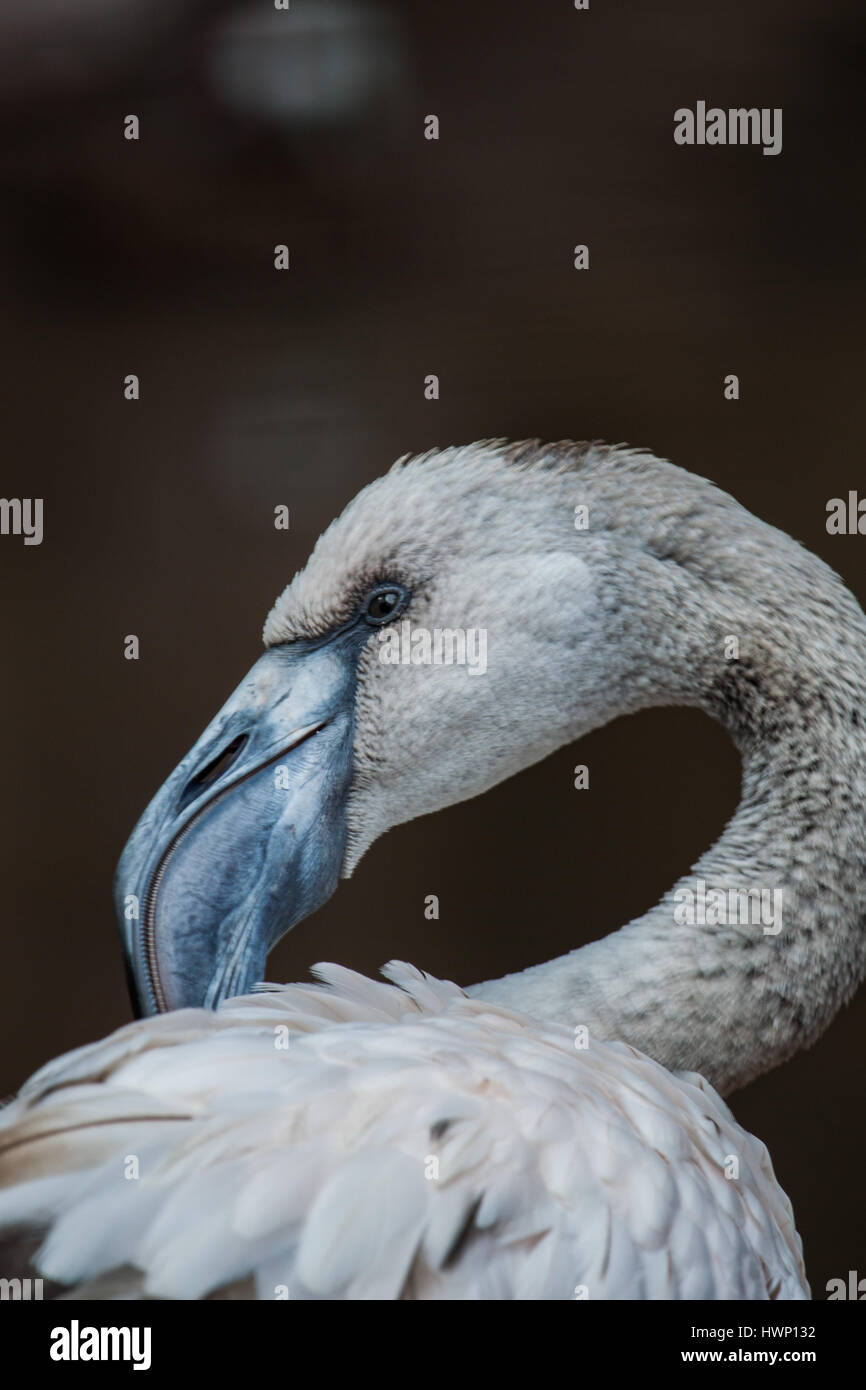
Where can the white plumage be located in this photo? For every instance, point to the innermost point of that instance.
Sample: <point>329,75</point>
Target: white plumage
<point>399,1141</point>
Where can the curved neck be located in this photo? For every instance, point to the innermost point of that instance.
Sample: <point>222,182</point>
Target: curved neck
<point>747,959</point>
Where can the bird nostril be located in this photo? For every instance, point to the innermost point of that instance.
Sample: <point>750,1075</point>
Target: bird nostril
<point>212,772</point>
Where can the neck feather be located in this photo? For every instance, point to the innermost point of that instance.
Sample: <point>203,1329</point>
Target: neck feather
<point>747,958</point>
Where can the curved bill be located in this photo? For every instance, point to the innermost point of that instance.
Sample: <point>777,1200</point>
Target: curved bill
<point>247,835</point>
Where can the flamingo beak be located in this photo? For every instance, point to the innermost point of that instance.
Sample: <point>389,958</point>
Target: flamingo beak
<point>247,836</point>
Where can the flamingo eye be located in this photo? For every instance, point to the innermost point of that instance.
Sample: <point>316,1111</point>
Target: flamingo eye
<point>384,603</point>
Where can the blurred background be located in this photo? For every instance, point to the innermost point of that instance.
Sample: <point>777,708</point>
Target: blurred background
<point>408,257</point>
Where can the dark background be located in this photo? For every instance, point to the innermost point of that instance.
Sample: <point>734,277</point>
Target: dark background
<point>259,388</point>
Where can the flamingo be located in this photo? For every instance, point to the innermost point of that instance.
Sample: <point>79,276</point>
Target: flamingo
<point>556,1134</point>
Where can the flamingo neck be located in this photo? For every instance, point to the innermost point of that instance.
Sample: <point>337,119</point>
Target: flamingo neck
<point>746,959</point>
